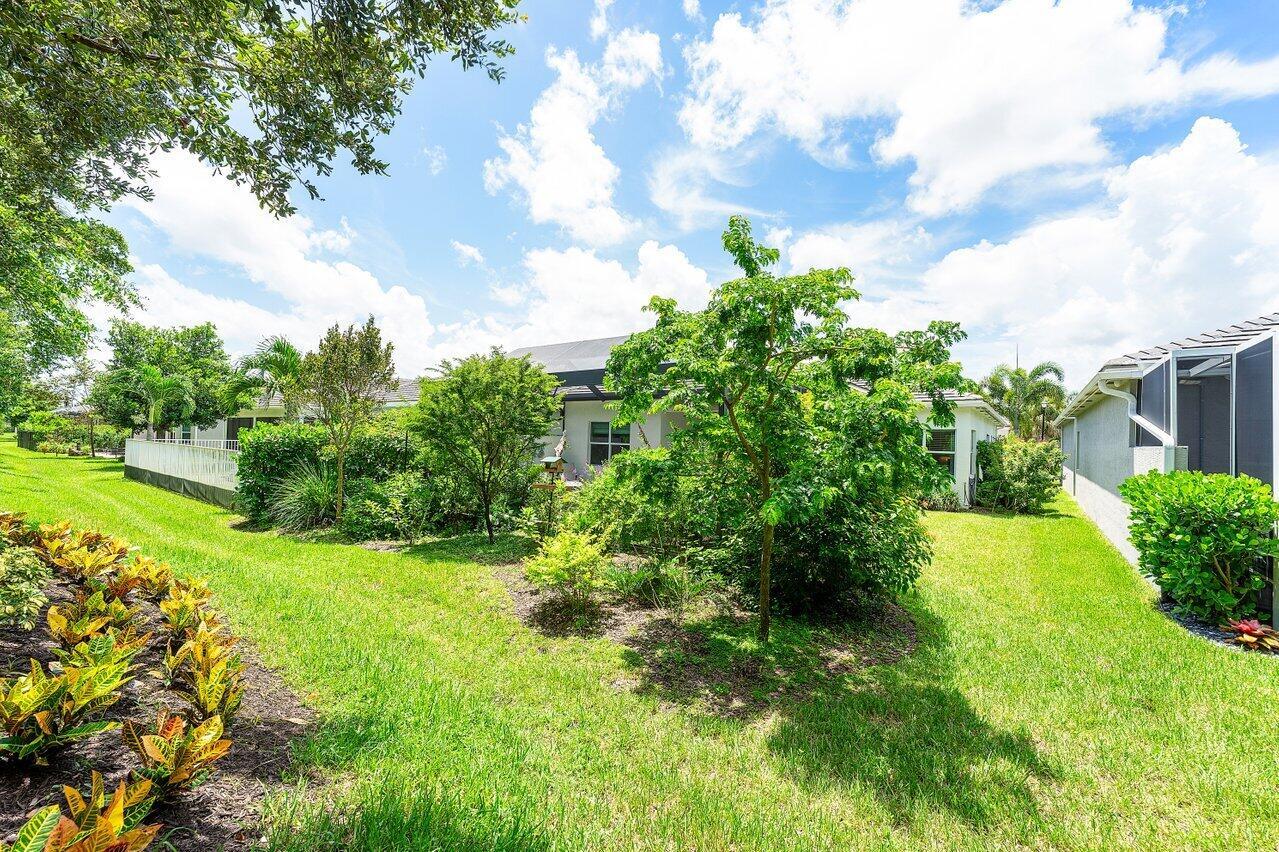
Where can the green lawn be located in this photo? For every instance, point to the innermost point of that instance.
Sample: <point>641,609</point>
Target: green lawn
<point>1048,704</point>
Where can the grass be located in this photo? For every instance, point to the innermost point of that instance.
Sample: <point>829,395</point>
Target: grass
<point>1047,704</point>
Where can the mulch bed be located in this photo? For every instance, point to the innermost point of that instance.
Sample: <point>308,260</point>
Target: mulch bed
<point>677,659</point>
<point>222,813</point>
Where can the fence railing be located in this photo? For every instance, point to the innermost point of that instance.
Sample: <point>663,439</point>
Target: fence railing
<point>207,443</point>
<point>215,466</point>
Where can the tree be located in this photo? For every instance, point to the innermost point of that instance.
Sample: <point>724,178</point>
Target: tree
<point>159,392</point>
<point>274,368</point>
<point>51,264</point>
<point>484,418</point>
<point>345,379</point>
<point>265,91</point>
<point>1026,396</point>
<point>195,354</point>
<point>741,372</point>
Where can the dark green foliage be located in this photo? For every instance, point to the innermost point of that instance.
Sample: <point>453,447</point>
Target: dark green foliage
<point>268,454</point>
<point>482,421</point>
<point>639,503</point>
<point>402,507</point>
<point>193,355</point>
<point>1020,476</point>
<point>1201,538</point>
<point>46,426</point>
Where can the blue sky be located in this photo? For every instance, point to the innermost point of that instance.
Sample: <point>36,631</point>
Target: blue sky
<point>1075,179</point>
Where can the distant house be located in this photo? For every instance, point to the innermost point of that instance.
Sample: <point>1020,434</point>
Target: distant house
<point>271,410</point>
<point>1207,403</point>
<point>590,437</point>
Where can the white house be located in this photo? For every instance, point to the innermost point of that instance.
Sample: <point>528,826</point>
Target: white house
<point>954,447</point>
<point>590,438</point>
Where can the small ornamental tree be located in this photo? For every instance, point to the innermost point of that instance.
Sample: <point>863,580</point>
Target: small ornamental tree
<point>484,418</point>
<point>744,372</point>
<point>344,379</point>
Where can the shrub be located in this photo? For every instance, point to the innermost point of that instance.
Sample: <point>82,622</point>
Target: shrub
<point>87,616</point>
<point>548,506</point>
<point>154,578</point>
<point>94,824</point>
<point>269,453</point>
<point>1200,537</point>
<point>1251,635</point>
<point>23,576</point>
<point>104,649</point>
<point>174,755</point>
<point>1018,475</point>
<point>570,563</point>
<point>402,507</point>
<point>208,675</point>
<point>941,499</point>
<point>306,498</point>
<point>638,504</point>
<point>40,712</point>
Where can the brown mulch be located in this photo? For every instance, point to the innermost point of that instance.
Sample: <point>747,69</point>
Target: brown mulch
<point>543,611</point>
<point>222,813</point>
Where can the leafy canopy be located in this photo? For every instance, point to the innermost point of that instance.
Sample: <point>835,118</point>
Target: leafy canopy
<point>745,373</point>
<point>484,418</point>
<point>163,377</point>
<point>344,379</point>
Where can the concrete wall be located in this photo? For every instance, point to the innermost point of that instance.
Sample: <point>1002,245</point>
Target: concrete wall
<point>578,416</point>
<point>968,420</point>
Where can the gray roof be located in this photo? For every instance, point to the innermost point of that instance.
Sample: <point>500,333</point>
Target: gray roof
<point>572,356</point>
<point>1231,335</point>
<point>405,392</point>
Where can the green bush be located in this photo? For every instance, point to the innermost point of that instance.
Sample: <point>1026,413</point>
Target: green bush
<point>403,507</point>
<point>1200,538</point>
<point>1021,476</point>
<point>638,504</point>
<point>269,454</point>
<point>941,499</point>
<point>23,576</point>
<point>570,563</point>
<point>306,499</point>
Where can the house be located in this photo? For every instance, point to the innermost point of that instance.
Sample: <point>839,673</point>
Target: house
<point>271,410</point>
<point>590,437</point>
<point>954,447</point>
<point>586,426</point>
<point>1207,402</point>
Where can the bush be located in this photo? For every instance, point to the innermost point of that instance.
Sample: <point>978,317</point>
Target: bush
<point>570,563</point>
<point>269,453</point>
<point>306,499</point>
<point>1021,476</point>
<point>1200,537</point>
<point>23,576</point>
<point>941,499</point>
<point>637,504</point>
<point>403,507</point>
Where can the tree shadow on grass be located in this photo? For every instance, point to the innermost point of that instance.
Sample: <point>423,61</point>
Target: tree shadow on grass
<point>505,549</point>
<point>869,704</point>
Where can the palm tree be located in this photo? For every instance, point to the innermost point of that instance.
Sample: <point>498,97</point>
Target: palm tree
<point>273,368</point>
<point>1024,395</point>
<point>158,391</point>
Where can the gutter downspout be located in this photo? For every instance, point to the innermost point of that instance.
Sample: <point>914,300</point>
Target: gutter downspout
<point>1167,441</point>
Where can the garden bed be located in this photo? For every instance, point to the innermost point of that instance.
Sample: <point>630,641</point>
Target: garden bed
<point>221,813</point>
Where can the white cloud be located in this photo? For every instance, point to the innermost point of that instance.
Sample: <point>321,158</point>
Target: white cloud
<point>211,218</point>
<point>599,20</point>
<point>554,162</point>
<point>680,184</point>
<point>974,93</point>
<point>436,158</point>
<point>693,10</point>
<point>1186,240</point>
<point>467,254</point>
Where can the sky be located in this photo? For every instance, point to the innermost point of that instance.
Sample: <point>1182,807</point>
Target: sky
<point>1069,180</point>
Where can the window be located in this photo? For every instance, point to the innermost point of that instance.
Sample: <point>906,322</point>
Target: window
<point>608,440</point>
<point>941,446</point>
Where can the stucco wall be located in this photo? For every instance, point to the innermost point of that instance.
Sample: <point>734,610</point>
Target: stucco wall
<point>967,421</point>
<point>1105,452</point>
<point>578,416</point>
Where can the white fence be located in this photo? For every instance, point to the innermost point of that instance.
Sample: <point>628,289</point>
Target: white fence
<point>186,461</point>
<point>207,443</point>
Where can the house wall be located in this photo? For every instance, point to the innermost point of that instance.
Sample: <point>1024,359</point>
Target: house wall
<point>972,425</point>
<point>578,416</point>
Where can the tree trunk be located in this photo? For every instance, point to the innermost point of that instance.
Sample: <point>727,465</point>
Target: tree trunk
<point>92,450</point>
<point>488,513</point>
<point>341,484</point>
<point>765,581</point>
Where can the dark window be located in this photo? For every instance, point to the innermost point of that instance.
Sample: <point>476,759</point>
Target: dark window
<point>1254,412</point>
<point>608,440</point>
<point>941,446</point>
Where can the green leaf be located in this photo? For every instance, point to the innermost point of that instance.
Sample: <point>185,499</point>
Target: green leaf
<point>33,836</point>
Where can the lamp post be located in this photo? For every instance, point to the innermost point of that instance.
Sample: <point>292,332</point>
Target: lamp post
<point>1043,419</point>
